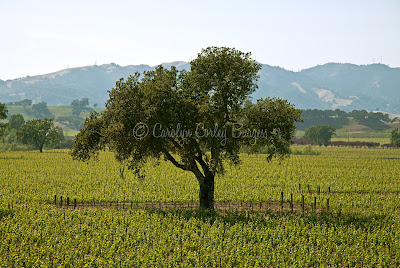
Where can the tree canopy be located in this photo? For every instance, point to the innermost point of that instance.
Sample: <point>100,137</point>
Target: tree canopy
<point>321,134</point>
<point>395,137</point>
<point>374,120</point>
<point>25,102</point>
<point>38,132</point>
<point>78,106</point>
<point>41,111</point>
<point>3,115</point>
<point>335,118</point>
<point>16,121</point>
<point>195,119</point>
<point>3,111</point>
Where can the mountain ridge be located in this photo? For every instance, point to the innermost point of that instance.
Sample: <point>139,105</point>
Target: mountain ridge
<point>342,86</point>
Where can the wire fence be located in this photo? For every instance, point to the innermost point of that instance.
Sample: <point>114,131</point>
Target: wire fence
<point>312,199</point>
<point>312,204</point>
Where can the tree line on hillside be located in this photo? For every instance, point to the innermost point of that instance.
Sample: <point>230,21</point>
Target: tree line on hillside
<point>317,134</point>
<point>312,117</point>
<point>41,111</point>
<point>337,119</point>
<point>322,134</point>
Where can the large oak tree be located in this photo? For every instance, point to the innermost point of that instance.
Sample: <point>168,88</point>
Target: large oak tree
<point>195,119</point>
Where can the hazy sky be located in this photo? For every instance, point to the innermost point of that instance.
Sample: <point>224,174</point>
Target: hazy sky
<point>39,37</point>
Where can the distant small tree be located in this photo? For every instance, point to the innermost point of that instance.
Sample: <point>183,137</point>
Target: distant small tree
<point>25,102</point>
<point>16,121</point>
<point>78,106</point>
<point>395,139</point>
<point>11,136</point>
<point>40,132</point>
<point>95,105</point>
<point>321,134</point>
<point>3,111</point>
<point>41,111</point>
<point>3,115</point>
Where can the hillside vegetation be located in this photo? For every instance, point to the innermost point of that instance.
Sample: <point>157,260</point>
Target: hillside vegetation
<point>330,86</point>
<point>346,125</point>
<point>57,111</point>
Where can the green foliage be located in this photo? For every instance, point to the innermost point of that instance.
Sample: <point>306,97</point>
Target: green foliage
<point>56,111</point>
<point>41,111</point>
<point>277,118</point>
<point>40,132</point>
<point>3,111</point>
<point>3,115</point>
<point>395,138</point>
<point>375,121</point>
<point>25,102</point>
<point>320,134</point>
<point>11,136</point>
<point>335,118</point>
<point>78,106</point>
<point>16,121</point>
<point>207,102</point>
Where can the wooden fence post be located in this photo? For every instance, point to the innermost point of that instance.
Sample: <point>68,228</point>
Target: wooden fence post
<point>302,203</point>
<point>281,201</point>
<point>55,200</point>
<point>315,203</point>
<point>61,201</point>
<point>74,203</point>
<point>327,204</point>
<point>291,202</point>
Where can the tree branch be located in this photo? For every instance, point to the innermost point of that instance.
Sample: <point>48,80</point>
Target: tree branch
<point>199,159</point>
<point>175,143</point>
<point>200,177</point>
<point>203,164</point>
<point>173,161</point>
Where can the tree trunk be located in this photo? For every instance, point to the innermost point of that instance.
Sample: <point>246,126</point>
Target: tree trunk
<point>206,193</point>
<point>41,148</point>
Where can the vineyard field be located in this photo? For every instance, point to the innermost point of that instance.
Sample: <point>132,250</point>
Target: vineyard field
<point>361,228</point>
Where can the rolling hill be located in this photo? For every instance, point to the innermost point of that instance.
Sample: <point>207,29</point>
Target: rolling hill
<point>330,86</point>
